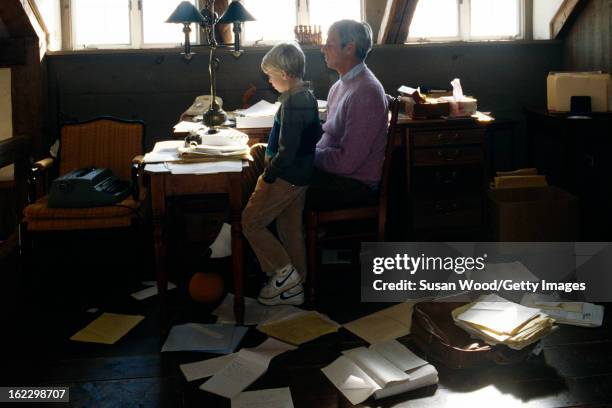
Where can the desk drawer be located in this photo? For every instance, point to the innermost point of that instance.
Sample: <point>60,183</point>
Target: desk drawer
<point>448,137</point>
<point>448,179</point>
<point>463,211</point>
<point>448,156</point>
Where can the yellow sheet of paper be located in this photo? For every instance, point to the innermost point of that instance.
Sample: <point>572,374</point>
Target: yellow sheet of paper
<point>108,328</point>
<point>384,325</point>
<point>300,328</point>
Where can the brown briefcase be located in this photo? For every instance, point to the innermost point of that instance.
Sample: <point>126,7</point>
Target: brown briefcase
<point>435,333</point>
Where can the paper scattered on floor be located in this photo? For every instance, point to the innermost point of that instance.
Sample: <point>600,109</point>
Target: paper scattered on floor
<point>271,398</point>
<point>245,369</point>
<point>300,327</point>
<point>211,338</point>
<point>108,328</point>
<point>254,313</point>
<point>386,369</point>
<point>150,291</point>
<point>387,324</point>
<point>206,368</point>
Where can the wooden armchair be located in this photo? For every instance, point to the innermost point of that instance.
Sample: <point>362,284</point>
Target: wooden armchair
<point>377,211</point>
<point>100,142</point>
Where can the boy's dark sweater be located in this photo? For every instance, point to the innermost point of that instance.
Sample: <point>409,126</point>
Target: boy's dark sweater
<point>292,140</point>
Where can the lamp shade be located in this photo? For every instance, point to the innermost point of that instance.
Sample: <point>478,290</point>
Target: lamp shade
<point>185,12</point>
<point>235,12</point>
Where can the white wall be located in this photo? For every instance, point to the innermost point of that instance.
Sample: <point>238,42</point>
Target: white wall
<point>6,116</point>
<point>543,12</point>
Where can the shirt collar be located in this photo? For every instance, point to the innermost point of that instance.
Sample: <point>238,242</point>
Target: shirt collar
<point>356,70</point>
<point>285,95</point>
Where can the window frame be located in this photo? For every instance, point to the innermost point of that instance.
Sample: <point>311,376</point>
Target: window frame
<point>464,25</point>
<point>136,29</point>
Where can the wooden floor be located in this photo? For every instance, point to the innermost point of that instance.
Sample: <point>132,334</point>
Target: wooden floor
<point>573,369</point>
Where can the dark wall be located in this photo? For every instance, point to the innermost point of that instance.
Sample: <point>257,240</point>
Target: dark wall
<point>157,86</point>
<point>588,42</point>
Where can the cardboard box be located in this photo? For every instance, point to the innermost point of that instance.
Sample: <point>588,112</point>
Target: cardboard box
<point>561,86</point>
<point>534,214</point>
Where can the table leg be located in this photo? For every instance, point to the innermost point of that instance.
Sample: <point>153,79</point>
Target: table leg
<point>235,201</point>
<point>158,209</point>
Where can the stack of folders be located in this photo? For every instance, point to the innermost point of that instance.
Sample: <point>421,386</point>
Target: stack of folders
<point>383,369</point>
<point>499,321</point>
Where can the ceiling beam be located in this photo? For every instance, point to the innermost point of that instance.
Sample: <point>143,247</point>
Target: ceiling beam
<point>567,10</point>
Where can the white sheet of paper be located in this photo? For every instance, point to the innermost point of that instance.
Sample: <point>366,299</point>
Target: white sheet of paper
<point>214,338</point>
<point>164,151</point>
<point>225,166</point>
<point>255,313</point>
<point>351,380</point>
<point>497,314</point>
<point>150,291</point>
<point>270,398</point>
<point>381,370</point>
<point>206,368</point>
<point>156,168</point>
<point>186,126</point>
<point>399,355</point>
<point>248,366</point>
<point>261,108</point>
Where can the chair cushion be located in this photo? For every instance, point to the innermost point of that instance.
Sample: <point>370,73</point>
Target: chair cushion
<point>39,217</point>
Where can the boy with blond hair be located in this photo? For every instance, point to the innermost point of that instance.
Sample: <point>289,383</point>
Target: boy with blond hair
<point>280,191</point>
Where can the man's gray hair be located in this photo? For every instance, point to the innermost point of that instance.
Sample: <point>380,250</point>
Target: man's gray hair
<point>359,32</point>
<point>288,57</point>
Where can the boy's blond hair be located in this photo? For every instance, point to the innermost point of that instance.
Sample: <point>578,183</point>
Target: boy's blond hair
<point>288,57</point>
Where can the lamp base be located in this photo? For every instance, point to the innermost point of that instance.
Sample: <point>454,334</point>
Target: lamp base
<point>213,118</point>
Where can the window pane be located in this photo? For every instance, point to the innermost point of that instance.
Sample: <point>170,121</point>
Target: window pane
<point>275,20</point>
<point>326,12</point>
<point>494,18</point>
<point>154,28</point>
<point>101,22</point>
<point>435,18</point>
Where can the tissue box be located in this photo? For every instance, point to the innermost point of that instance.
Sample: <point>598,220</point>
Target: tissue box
<point>433,108</point>
<point>561,86</point>
<point>465,107</point>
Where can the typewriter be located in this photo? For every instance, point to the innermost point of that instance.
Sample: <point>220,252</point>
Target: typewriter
<point>87,187</point>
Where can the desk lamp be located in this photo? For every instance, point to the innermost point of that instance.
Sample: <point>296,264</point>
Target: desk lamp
<point>235,13</point>
<point>186,13</point>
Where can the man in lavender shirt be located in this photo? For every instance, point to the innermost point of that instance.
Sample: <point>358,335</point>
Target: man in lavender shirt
<point>350,154</point>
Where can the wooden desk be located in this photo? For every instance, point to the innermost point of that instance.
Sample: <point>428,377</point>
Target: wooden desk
<point>445,177</point>
<point>165,185</point>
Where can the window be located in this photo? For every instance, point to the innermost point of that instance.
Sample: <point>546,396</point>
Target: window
<point>279,25</point>
<point>125,23</point>
<point>447,20</point>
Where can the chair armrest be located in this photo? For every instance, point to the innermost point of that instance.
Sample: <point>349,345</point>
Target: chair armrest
<point>37,171</point>
<point>137,166</point>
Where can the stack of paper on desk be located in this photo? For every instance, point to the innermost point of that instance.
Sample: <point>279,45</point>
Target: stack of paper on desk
<point>574,313</point>
<point>260,115</point>
<point>384,369</point>
<point>208,151</point>
<point>212,338</point>
<point>499,321</point>
<point>300,327</point>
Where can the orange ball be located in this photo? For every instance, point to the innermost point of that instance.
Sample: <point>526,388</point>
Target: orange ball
<point>206,287</point>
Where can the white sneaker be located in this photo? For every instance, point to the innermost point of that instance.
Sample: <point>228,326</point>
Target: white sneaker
<point>293,296</point>
<point>284,279</point>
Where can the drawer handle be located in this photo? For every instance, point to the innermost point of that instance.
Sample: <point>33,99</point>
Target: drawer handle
<point>448,140</point>
<point>449,179</point>
<point>449,155</point>
<point>445,209</point>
